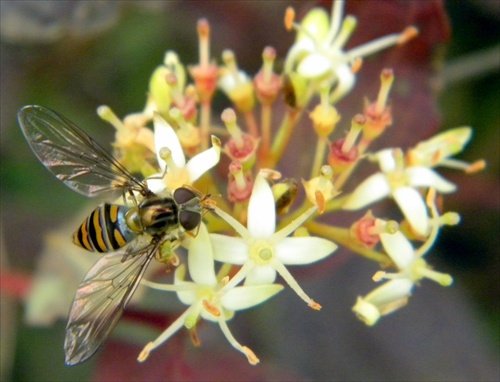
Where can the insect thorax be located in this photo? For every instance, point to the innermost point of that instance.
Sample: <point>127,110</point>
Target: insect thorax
<point>158,215</point>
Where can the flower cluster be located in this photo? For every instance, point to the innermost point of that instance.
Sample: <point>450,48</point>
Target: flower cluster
<point>258,227</point>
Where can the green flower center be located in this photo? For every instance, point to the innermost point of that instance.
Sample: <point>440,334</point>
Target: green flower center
<point>262,252</point>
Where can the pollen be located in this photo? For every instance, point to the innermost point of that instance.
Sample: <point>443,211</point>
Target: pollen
<point>314,305</point>
<point>289,18</point>
<point>145,352</point>
<point>212,309</point>
<point>252,358</point>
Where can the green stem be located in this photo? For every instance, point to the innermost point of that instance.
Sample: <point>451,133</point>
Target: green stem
<point>343,237</point>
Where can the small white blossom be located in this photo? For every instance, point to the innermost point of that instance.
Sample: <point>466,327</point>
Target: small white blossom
<point>208,297</point>
<point>411,267</point>
<point>402,183</point>
<point>319,54</point>
<point>171,156</point>
<point>261,251</point>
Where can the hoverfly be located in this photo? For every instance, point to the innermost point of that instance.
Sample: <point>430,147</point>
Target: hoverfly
<point>132,234</point>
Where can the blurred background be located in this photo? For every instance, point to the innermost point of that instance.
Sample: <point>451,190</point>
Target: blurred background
<point>75,56</point>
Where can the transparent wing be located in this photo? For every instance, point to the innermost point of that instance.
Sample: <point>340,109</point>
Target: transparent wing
<point>101,298</point>
<point>71,155</point>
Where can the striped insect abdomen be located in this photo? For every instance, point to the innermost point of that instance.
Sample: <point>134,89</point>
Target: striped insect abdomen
<point>105,229</point>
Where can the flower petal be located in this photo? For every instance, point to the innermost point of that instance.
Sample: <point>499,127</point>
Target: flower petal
<point>386,160</point>
<point>232,250</point>
<point>248,296</point>
<point>398,248</point>
<point>303,250</point>
<point>156,183</point>
<point>369,191</point>
<point>413,207</point>
<point>261,210</point>
<point>165,136</point>
<point>187,297</point>
<point>204,161</point>
<point>390,291</point>
<point>383,300</point>
<point>314,66</point>
<point>201,260</point>
<point>261,274</point>
<point>425,177</point>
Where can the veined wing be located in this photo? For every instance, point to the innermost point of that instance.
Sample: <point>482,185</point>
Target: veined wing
<point>101,298</point>
<point>71,155</point>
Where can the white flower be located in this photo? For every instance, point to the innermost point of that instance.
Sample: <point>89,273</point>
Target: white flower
<point>402,184</point>
<point>261,251</point>
<point>437,151</point>
<point>411,267</point>
<point>208,297</point>
<point>318,53</point>
<point>171,156</point>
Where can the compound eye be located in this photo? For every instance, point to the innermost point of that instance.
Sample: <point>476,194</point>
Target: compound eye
<point>189,220</point>
<point>182,195</point>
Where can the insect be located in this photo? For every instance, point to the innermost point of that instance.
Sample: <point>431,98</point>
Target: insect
<point>130,234</point>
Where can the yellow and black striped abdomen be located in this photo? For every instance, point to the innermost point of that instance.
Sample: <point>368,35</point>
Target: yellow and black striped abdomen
<point>104,230</point>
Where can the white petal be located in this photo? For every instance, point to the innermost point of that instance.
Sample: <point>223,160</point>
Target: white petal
<point>261,210</point>
<point>345,82</point>
<point>425,177</point>
<point>385,299</point>
<point>187,297</point>
<point>232,250</point>
<point>261,274</point>
<point>413,207</point>
<point>156,184</point>
<point>399,249</point>
<point>201,163</point>
<point>314,66</point>
<point>248,296</point>
<point>201,260</point>
<point>165,136</point>
<point>386,160</point>
<point>370,190</point>
<point>392,290</point>
<point>303,250</point>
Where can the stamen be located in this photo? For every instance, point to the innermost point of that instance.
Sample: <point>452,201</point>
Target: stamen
<point>408,34</point>
<point>320,201</point>
<point>356,65</point>
<point>193,334</point>
<point>314,305</point>
<point>109,116</point>
<point>379,275</point>
<point>210,308</point>
<point>252,358</point>
<point>287,276</point>
<point>476,167</point>
<point>289,18</point>
<point>348,27</point>
<point>294,224</point>
<point>145,352</point>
